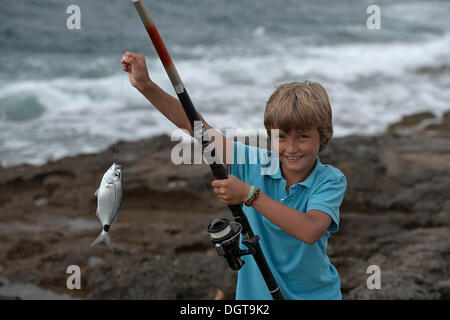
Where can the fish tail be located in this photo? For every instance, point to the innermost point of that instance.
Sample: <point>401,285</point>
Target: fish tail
<point>104,237</point>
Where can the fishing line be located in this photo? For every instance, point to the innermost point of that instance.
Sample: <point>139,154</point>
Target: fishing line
<point>117,120</point>
<point>121,102</point>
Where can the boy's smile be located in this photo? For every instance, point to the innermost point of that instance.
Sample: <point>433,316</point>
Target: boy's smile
<point>297,151</point>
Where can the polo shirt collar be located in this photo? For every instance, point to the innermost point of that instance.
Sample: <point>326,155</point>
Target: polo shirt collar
<point>308,182</point>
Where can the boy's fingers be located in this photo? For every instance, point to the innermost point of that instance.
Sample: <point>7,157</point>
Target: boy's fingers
<point>124,57</point>
<point>220,182</point>
<point>129,57</point>
<point>129,54</point>
<point>216,183</point>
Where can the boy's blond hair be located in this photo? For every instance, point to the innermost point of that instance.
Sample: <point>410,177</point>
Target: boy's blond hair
<point>300,106</point>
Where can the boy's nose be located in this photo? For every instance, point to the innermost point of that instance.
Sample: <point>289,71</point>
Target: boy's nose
<point>291,147</point>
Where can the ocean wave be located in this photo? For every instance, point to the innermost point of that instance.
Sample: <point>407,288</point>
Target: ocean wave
<point>81,102</point>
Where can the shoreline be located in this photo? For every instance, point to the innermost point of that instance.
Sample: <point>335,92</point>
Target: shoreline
<point>424,122</point>
<point>395,214</point>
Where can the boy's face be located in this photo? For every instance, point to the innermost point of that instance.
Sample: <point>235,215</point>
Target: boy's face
<point>297,151</point>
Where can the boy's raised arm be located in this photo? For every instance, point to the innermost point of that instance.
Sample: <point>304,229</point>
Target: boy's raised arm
<point>169,106</point>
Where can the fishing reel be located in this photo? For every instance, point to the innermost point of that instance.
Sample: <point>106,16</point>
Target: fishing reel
<point>224,235</point>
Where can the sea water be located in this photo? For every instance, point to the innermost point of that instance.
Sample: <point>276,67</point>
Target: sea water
<point>63,92</point>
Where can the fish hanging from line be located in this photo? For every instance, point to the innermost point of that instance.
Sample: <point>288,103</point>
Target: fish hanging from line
<point>109,199</point>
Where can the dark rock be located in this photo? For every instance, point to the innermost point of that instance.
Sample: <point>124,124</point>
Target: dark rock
<point>24,249</point>
<point>395,215</point>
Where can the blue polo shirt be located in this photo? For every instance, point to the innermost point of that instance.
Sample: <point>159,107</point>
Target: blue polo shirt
<point>302,271</point>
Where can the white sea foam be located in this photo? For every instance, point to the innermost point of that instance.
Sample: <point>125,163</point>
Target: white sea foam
<point>370,85</point>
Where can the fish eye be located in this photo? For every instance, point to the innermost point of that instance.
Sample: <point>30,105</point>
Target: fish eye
<point>116,174</point>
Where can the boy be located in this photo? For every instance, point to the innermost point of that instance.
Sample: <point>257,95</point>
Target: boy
<point>293,209</point>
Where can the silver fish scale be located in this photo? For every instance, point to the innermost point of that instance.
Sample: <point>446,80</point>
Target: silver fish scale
<point>108,202</point>
<point>109,196</point>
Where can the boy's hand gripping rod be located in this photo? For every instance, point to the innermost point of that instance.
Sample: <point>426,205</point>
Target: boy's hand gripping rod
<point>218,170</point>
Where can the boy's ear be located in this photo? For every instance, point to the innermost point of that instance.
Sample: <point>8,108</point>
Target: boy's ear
<point>322,145</point>
<point>322,141</point>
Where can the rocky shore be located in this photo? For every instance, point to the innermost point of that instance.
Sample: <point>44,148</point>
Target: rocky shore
<point>395,215</point>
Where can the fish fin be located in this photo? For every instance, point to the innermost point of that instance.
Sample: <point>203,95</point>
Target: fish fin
<point>96,192</point>
<point>108,242</point>
<point>104,237</point>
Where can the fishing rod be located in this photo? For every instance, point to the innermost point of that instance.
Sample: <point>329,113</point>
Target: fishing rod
<point>223,234</point>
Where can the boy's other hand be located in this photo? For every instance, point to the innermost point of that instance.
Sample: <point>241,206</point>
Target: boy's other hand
<point>134,64</point>
<point>231,190</point>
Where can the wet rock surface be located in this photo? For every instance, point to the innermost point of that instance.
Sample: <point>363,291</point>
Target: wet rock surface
<point>395,215</point>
